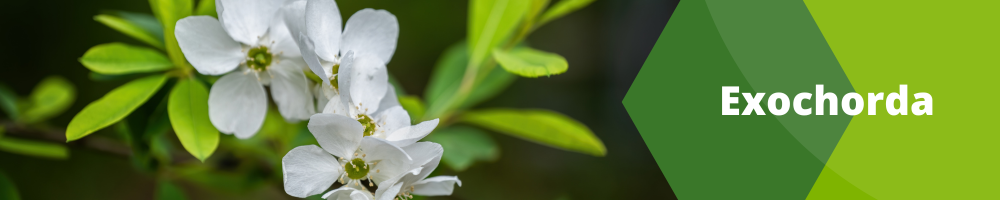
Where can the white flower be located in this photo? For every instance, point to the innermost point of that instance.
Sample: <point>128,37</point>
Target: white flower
<point>316,25</point>
<point>250,38</point>
<point>426,157</point>
<point>310,170</point>
<point>366,95</point>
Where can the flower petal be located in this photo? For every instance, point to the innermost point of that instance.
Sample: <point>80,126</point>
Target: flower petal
<point>426,155</point>
<point>248,20</point>
<point>323,24</point>
<point>279,37</point>
<point>207,46</point>
<point>320,96</point>
<point>392,160</point>
<point>290,91</point>
<point>334,106</point>
<point>371,32</point>
<point>368,84</point>
<point>408,135</point>
<point>237,104</point>
<point>344,77</point>
<point>390,100</point>
<point>308,170</point>
<point>436,186</point>
<point>347,193</point>
<point>393,119</point>
<point>388,193</point>
<point>338,134</point>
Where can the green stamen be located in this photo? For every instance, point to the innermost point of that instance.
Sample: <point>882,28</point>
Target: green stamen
<point>259,58</point>
<point>356,169</point>
<point>368,123</point>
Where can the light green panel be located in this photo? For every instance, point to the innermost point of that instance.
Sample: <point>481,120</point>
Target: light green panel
<point>946,48</point>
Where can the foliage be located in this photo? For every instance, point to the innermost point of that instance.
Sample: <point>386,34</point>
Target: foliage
<point>163,94</point>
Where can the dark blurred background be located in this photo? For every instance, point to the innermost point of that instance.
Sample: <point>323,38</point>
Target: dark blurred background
<point>605,43</point>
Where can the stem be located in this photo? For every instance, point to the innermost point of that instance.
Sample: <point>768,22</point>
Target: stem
<point>58,136</point>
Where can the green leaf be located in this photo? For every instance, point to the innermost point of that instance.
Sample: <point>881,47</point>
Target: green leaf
<point>531,63</point>
<point>113,106</point>
<point>8,191</point>
<point>490,23</point>
<point>413,106</point>
<point>51,97</point>
<point>119,58</point>
<point>448,76</point>
<point>188,110</point>
<point>8,102</point>
<point>147,22</point>
<point>561,9</point>
<point>34,148</point>
<point>130,29</point>
<point>168,12</point>
<point>169,191</point>
<point>540,126</point>
<point>465,145</point>
<point>206,7</point>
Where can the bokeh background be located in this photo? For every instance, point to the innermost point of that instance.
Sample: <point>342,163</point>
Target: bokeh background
<point>605,43</point>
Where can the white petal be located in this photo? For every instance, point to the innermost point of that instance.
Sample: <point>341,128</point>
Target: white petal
<point>390,100</point>
<point>308,170</point>
<point>338,134</point>
<point>387,193</point>
<point>371,32</point>
<point>334,106</point>
<point>393,119</point>
<point>426,155</point>
<point>207,46</point>
<point>436,186</point>
<point>392,160</point>
<point>290,91</point>
<point>237,104</point>
<point>408,135</point>
<point>279,39</point>
<point>218,7</point>
<point>344,77</point>
<point>320,97</point>
<point>247,20</point>
<point>323,24</point>
<point>368,84</point>
<point>347,193</point>
<point>308,51</point>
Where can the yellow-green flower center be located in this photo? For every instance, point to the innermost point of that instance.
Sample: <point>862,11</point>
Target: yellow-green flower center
<point>259,58</point>
<point>356,169</point>
<point>368,123</point>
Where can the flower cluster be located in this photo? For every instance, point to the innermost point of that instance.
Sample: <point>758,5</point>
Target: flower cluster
<point>366,139</point>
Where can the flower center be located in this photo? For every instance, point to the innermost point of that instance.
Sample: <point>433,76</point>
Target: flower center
<point>368,123</point>
<point>259,58</point>
<point>356,169</point>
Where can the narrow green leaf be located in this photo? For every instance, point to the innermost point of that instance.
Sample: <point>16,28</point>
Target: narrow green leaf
<point>490,23</point>
<point>50,98</point>
<point>8,102</point>
<point>34,148</point>
<point>168,191</point>
<point>168,12</point>
<point>531,63</point>
<point>413,106</point>
<point>130,29</point>
<point>464,146</point>
<point>113,106</point>
<point>188,110</point>
<point>8,191</point>
<point>540,126</point>
<point>119,58</point>
<point>147,22</point>
<point>206,7</point>
<point>561,9</point>
<point>448,75</point>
